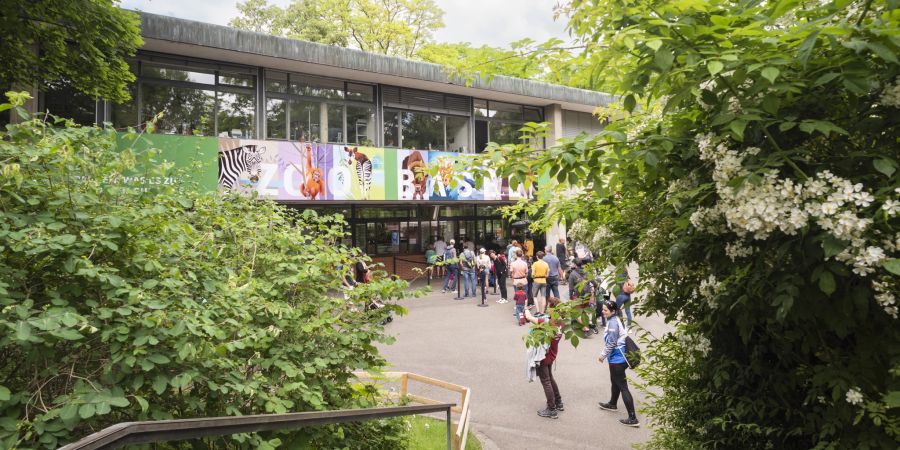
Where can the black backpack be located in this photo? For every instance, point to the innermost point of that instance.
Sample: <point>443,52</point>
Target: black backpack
<point>632,352</point>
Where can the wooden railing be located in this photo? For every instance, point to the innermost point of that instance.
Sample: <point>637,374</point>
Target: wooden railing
<point>403,378</point>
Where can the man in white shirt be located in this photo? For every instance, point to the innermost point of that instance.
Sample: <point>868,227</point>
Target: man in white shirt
<point>483,265</point>
<point>439,248</point>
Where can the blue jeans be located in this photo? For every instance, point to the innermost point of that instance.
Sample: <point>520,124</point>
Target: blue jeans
<point>450,271</point>
<point>520,309</point>
<point>552,285</point>
<point>469,280</point>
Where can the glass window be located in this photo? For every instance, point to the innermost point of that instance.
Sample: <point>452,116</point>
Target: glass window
<point>506,111</point>
<point>305,121</point>
<point>276,111</point>
<point>235,115</point>
<point>383,213</point>
<point>361,125</point>
<point>316,87</point>
<point>481,108</point>
<point>457,211</point>
<point>422,131</point>
<point>360,92</point>
<point>276,82</point>
<point>167,73</point>
<point>185,111</point>
<point>457,133</point>
<point>234,79</point>
<point>63,100</point>
<point>504,133</point>
<point>533,115</point>
<point>335,123</point>
<point>391,129</point>
<point>123,115</point>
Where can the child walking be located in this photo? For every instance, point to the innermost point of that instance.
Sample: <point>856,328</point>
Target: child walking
<point>520,297</point>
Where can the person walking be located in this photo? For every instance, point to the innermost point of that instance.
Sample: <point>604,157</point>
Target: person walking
<point>529,246</point>
<point>613,351</point>
<point>451,278</point>
<point>483,266</point>
<point>539,271</point>
<point>554,274</point>
<point>545,369</point>
<point>431,260</point>
<point>518,270</point>
<point>467,266</point>
<point>501,269</point>
<point>440,247</point>
<point>561,251</point>
<point>581,290</point>
<point>623,299</point>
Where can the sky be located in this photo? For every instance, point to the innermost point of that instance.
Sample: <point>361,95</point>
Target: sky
<point>479,22</point>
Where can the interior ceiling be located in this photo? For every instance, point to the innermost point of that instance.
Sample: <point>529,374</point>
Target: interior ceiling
<point>217,54</point>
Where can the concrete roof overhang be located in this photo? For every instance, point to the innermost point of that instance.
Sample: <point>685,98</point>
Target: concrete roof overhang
<point>220,43</point>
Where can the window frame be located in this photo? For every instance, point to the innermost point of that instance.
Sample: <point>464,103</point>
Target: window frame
<point>289,96</point>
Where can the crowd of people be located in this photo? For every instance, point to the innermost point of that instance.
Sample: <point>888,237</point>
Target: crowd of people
<point>535,281</point>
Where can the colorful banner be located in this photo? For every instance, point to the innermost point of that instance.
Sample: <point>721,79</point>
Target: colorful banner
<point>303,171</point>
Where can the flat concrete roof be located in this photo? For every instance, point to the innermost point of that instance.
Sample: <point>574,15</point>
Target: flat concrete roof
<point>172,35</point>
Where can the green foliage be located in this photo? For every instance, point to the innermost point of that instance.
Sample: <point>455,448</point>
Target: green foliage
<point>123,302</point>
<point>389,27</point>
<point>549,61</point>
<point>755,183</point>
<point>84,42</point>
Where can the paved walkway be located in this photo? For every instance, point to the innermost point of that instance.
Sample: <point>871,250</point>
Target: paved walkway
<point>482,348</point>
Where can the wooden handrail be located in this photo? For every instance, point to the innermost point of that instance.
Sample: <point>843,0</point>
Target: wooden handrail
<point>462,425</point>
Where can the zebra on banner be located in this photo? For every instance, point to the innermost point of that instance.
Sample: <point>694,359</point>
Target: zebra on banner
<point>246,158</point>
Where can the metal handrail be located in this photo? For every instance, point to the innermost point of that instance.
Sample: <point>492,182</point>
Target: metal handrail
<point>126,433</point>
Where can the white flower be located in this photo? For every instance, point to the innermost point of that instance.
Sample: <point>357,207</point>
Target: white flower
<point>854,397</point>
<point>735,250</point>
<point>892,207</point>
<point>890,96</point>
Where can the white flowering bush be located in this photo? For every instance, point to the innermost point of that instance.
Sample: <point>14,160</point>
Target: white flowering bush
<point>757,187</point>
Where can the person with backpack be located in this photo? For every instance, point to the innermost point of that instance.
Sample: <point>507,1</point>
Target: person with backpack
<point>483,269</point>
<point>545,368</point>
<point>613,351</point>
<point>451,279</point>
<point>467,266</point>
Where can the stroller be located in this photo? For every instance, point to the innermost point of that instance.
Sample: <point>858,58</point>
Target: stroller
<point>376,305</point>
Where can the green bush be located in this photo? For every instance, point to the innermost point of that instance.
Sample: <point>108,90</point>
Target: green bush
<point>122,302</point>
<point>752,172</point>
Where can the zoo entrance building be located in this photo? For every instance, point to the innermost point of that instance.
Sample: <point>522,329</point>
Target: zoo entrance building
<point>334,129</point>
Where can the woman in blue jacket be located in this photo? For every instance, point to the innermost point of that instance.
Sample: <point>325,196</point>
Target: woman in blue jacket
<point>614,340</point>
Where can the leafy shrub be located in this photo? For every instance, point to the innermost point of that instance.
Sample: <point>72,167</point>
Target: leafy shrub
<point>122,302</point>
<point>757,187</point>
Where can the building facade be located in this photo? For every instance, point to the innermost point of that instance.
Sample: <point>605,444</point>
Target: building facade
<point>317,119</point>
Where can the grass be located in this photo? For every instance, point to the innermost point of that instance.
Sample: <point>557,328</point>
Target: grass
<point>427,433</point>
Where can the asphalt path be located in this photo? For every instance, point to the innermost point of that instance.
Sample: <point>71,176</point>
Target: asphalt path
<point>483,349</point>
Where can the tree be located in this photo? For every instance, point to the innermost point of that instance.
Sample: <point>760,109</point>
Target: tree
<point>124,297</point>
<point>753,175</point>
<point>84,42</point>
<point>390,27</point>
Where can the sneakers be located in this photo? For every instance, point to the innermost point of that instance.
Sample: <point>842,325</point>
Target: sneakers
<point>608,406</point>
<point>548,413</point>
<point>560,406</point>
<point>631,422</point>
